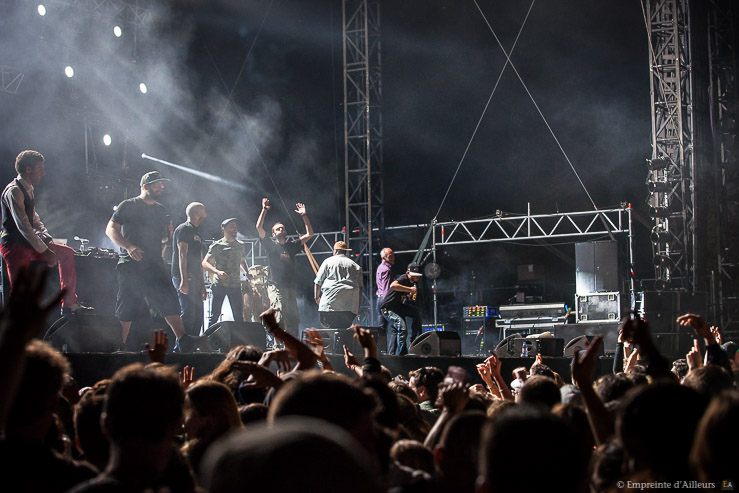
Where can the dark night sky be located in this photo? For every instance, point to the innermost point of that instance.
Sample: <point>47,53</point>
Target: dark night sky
<point>585,63</point>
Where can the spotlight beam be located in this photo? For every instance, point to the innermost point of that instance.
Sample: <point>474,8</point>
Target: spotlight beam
<point>201,174</point>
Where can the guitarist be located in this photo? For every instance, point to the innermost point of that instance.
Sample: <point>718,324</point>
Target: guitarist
<point>280,253</point>
<point>24,237</point>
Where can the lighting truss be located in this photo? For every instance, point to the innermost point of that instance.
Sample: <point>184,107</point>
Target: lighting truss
<point>512,228</point>
<point>363,188</point>
<point>722,55</point>
<point>127,12</point>
<point>10,79</point>
<point>673,196</point>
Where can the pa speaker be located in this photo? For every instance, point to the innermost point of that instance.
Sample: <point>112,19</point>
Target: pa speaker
<point>505,348</point>
<point>223,336</point>
<point>436,343</point>
<point>580,343</point>
<point>78,333</point>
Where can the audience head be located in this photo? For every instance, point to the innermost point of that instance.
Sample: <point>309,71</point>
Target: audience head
<point>709,380</point>
<point>89,437</point>
<point>714,448</point>
<point>612,387</point>
<point>210,410</point>
<point>291,456</point>
<point>403,388</point>
<point>425,382</point>
<point>457,454</point>
<point>540,391</point>
<point>543,370</point>
<point>253,413</point>
<point>413,454</point>
<point>680,368</point>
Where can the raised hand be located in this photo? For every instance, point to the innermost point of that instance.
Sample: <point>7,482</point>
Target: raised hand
<point>265,204</point>
<point>694,358</point>
<point>366,340</point>
<point>484,372</point>
<point>698,324</point>
<point>454,396</point>
<point>349,359</point>
<point>156,353</point>
<point>300,208</point>
<point>583,366</point>
<point>716,334</point>
<point>279,356</point>
<point>187,376</point>
<point>258,375</point>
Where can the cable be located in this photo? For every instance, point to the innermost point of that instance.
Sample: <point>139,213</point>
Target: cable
<point>536,106</point>
<point>479,121</point>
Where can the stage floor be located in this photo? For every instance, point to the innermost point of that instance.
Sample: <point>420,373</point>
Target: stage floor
<point>88,368</point>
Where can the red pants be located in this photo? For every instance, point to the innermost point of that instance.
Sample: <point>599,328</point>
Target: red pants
<point>17,256</point>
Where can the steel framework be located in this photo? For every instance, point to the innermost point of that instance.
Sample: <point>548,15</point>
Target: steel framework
<point>497,229</point>
<point>11,79</point>
<point>363,189</point>
<point>671,169</point>
<point>722,54</point>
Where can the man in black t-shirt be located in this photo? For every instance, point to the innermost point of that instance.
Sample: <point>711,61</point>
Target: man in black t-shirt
<point>137,226</point>
<point>280,253</point>
<point>395,309</point>
<point>187,271</point>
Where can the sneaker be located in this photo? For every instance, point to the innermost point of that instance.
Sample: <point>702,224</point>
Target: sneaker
<point>187,344</point>
<point>77,308</point>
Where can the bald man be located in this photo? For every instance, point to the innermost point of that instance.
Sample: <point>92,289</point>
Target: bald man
<point>187,271</point>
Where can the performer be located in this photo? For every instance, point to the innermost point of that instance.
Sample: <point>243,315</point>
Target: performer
<point>280,253</point>
<point>228,254</point>
<point>383,278</point>
<point>395,311</point>
<point>338,289</point>
<point>187,271</point>
<point>24,237</point>
<point>137,227</point>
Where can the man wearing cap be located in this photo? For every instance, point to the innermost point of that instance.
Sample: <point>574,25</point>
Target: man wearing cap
<point>24,236</point>
<point>224,258</point>
<point>280,254</point>
<point>395,310</point>
<point>187,271</point>
<point>137,226</point>
<point>338,289</point>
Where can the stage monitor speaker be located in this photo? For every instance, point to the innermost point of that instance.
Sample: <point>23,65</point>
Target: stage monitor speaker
<point>596,266</point>
<point>223,336</point>
<point>546,346</point>
<point>437,344</point>
<point>504,349</point>
<point>580,343</point>
<point>78,333</point>
<point>346,336</point>
<point>609,331</point>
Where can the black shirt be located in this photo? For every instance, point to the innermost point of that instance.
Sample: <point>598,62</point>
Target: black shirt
<point>281,264</point>
<point>189,234</point>
<point>143,225</point>
<point>394,299</point>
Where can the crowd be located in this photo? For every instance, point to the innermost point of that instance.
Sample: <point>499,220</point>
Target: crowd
<point>284,420</point>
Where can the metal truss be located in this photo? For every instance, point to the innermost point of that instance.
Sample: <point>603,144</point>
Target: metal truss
<point>128,12</point>
<point>724,96</point>
<point>363,188</point>
<point>10,79</point>
<point>671,169</point>
<point>498,229</point>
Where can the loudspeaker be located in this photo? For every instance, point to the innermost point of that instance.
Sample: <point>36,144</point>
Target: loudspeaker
<point>580,343</point>
<point>546,346</point>
<point>596,266</point>
<point>504,349</point>
<point>223,336</point>
<point>346,336</point>
<point>78,333</point>
<point>609,331</point>
<point>437,344</point>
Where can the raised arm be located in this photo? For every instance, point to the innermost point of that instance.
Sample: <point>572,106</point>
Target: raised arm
<point>300,209</point>
<point>262,215</point>
<point>113,230</point>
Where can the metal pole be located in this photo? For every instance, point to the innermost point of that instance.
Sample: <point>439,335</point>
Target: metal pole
<point>632,294</point>
<point>433,256</point>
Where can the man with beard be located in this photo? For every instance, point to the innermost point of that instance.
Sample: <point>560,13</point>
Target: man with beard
<point>137,226</point>
<point>187,273</point>
<point>280,253</point>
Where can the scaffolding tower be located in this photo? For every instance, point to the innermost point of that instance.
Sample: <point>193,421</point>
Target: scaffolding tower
<point>671,172</point>
<point>363,190</point>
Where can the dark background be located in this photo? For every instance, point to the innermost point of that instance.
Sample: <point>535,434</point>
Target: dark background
<point>252,92</point>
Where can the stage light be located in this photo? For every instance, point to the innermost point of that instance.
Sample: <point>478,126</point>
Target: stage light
<point>41,10</point>
<point>659,235</point>
<point>659,186</point>
<point>662,260</point>
<point>658,163</point>
<point>69,71</point>
<point>659,212</point>
<point>107,140</point>
<point>117,31</point>
<point>143,88</point>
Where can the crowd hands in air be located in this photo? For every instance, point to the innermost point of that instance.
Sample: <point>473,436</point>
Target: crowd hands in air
<point>284,420</point>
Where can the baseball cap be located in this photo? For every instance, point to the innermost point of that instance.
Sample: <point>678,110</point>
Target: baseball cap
<point>226,221</point>
<point>414,269</point>
<point>151,177</point>
<point>340,245</point>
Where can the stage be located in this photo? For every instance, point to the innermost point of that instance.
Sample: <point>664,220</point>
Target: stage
<point>88,368</point>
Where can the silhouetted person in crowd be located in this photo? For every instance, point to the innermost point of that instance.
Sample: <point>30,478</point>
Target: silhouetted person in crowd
<point>29,464</point>
<point>425,382</point>
<point>89,438</point>
<point>540,391</point>
<point>142,415</point>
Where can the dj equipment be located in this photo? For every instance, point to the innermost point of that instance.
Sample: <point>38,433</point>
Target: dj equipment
<point>478,332</point>
<point>530,319</point>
